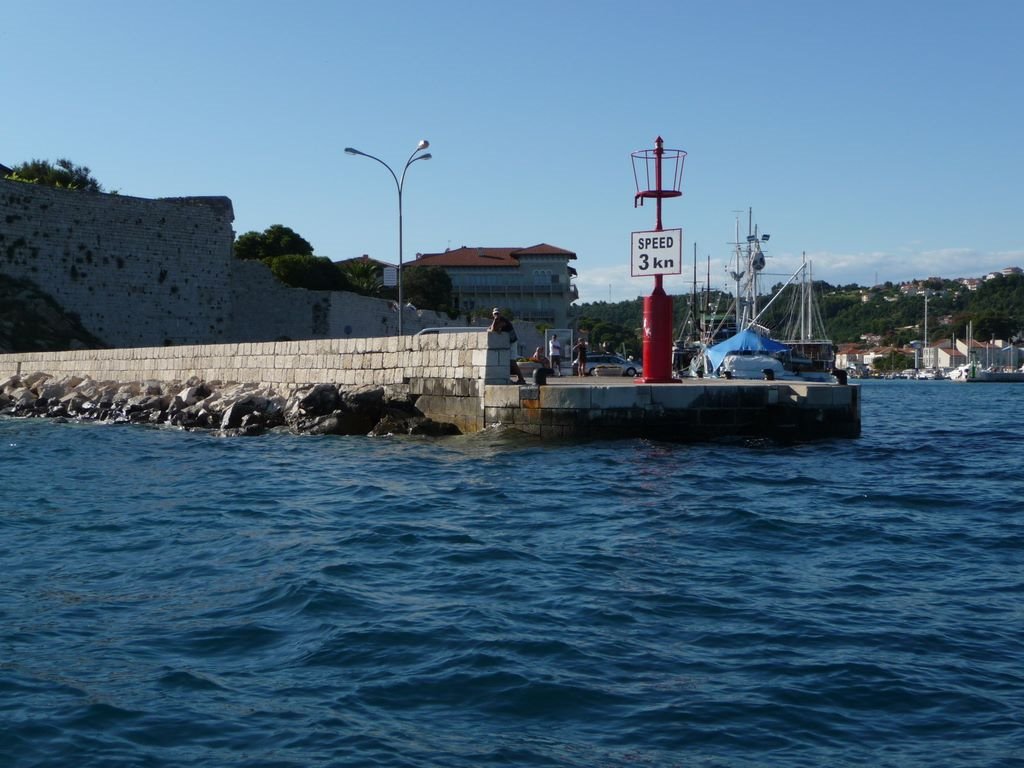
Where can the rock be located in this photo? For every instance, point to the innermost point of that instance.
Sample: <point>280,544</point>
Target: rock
<point>34,378</point>
<point>320,425</point>
<point>396,424</point>
<point>367,396</point>
<point>24,398</point>
<point>190,395</point>
<point>126,392</point>
<point>237,409</point>
<point>50,390</point>
<point>341,422</point>
<point>73,402</point>
<point>431,428</point>
<point>321,400</point>
<point>390,425</point>
<point>70,382</point>
<point>101,393</point>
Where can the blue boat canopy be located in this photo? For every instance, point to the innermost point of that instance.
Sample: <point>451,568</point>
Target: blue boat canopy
<point>744,341</point>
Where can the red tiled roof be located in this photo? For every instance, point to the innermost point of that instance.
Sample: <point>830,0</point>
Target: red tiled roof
<point>543,249</point>
<point>364,259</point>
<point>488,257</point>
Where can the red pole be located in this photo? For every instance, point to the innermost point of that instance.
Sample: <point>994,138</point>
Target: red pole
<point>657,327</point>
<point>659,152</point>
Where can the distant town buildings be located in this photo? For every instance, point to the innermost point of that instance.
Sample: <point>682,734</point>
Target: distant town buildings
<point>1005,272</point>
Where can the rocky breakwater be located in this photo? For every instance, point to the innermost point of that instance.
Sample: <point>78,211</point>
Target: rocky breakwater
<point>234,409</point>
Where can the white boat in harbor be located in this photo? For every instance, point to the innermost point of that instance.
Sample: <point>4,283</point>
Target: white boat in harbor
<point>972,372</point>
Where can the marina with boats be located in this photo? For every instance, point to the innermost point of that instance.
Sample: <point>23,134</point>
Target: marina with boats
<point>971,363</point>
<point>741,339</point>
<point>737,344</point>
<point>972,372</point>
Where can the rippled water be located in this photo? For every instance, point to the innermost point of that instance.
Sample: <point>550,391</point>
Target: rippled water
<point>176,599</point>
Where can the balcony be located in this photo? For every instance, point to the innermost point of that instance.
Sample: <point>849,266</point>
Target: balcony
<point>506,289</point>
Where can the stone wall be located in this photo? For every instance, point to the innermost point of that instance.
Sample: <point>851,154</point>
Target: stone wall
<point>142,272</point>
<point>447,371</point>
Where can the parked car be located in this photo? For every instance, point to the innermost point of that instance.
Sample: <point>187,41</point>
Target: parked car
<point>452,329</point>
<point>629,367</point>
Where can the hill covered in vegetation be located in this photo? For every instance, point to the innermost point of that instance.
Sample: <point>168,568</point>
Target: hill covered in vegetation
<point>32,321</point>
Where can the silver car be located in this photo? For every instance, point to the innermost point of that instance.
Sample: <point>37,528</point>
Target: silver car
<point>629,367</point>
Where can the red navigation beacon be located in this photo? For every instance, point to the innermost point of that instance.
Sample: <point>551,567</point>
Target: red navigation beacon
<point>657,253</point>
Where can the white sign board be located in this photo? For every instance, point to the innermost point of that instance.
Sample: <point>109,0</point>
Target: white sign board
<point>657,253</point>
<point>390,277</point>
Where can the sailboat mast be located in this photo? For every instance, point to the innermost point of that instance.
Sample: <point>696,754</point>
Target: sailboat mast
<point>707,287</point>
<point>805,302</point>
<point>738,274</point>
<point>810,301</point>
<point>924,346</point>
<point>693,297</point>
<point>751,230</point>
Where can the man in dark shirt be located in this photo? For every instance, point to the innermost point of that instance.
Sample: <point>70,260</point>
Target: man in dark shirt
<point>501,324</point>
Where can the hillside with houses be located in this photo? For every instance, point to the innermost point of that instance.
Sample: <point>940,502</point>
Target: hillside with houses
<point>927,328</point>
<point>932,324</point>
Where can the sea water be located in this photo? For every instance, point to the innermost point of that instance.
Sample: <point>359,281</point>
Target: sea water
<point>182,599</point>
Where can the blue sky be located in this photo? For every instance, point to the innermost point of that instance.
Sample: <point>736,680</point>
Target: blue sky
<point>881,138</point>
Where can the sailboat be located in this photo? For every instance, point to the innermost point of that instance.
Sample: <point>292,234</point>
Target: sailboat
<point>811,353</point>
<point>802,351</point>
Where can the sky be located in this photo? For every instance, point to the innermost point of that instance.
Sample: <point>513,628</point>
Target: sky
<point>881,139</point>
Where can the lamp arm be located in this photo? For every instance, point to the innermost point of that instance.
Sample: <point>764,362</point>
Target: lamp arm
<point>412,159</point>
<point>393,176</point>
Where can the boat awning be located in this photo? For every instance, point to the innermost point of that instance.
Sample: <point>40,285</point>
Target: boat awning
<point>744,341</point>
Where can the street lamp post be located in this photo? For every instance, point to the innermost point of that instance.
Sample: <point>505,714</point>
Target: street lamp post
<point>399,184</point>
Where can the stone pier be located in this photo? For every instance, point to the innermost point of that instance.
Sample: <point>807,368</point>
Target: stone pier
<point>690,410</point>
<point>463,379</point>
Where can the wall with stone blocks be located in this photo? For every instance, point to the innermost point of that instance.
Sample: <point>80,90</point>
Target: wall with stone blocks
<point>141,272</point>
<point>447,370</point>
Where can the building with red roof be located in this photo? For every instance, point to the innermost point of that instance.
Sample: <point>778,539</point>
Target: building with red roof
<point>534,284</point>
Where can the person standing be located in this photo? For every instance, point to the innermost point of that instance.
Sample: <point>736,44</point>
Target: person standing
<point>555,353</point>
<point>580,351</point>
<point>501,324</point>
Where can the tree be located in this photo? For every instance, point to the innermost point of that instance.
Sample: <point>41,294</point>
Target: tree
<point>615,338</point>
<point>1004,293</point>
<point>276,240</point>
<point>894,361</point>
<point>314,273</point>
<point>363,277</point>
<point>427,288</point>
<point>994,325</point>
<point>63,174</point>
